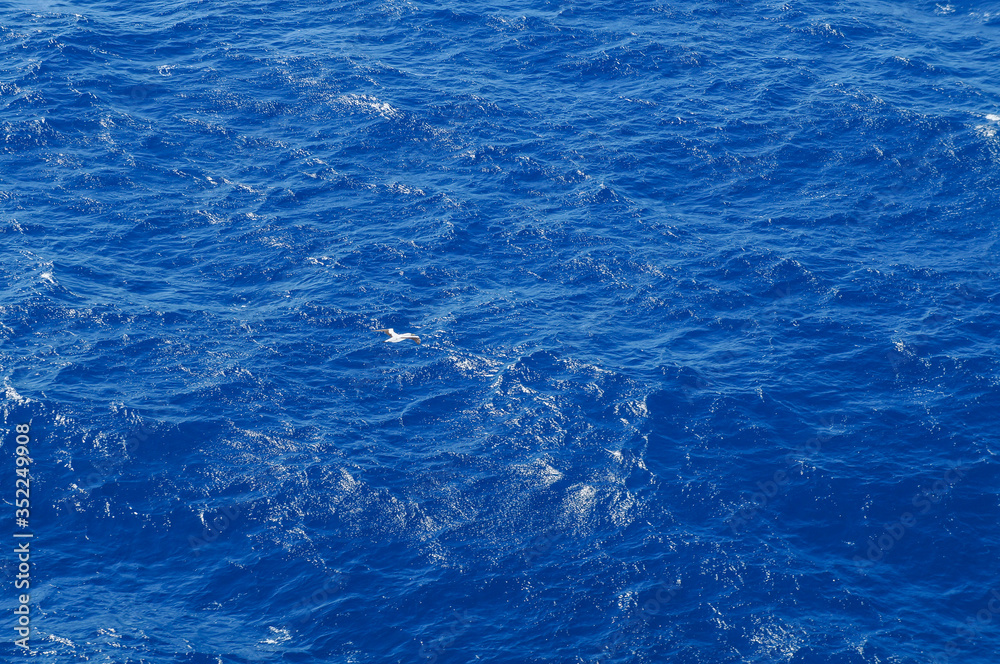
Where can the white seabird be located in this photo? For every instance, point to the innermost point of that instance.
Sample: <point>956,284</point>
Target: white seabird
<point>396,338</point>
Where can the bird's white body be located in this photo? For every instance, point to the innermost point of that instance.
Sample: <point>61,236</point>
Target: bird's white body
<point>395,337</point>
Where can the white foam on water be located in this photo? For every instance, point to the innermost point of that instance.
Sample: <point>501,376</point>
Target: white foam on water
<point>986,131</point>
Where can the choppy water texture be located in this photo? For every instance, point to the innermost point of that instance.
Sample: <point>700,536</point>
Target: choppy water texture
<point>708,299</point>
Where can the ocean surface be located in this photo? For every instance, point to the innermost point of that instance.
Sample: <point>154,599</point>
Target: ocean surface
<point>708,298</point>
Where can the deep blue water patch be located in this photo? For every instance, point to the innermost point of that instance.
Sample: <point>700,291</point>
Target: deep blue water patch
<point>707,295</point>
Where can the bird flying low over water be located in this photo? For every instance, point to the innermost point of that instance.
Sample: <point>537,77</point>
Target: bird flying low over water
<point>396,338</point>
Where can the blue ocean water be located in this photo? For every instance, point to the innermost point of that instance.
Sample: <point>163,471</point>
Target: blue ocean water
<point>708,299</point>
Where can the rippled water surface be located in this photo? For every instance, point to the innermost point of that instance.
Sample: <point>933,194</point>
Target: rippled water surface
<point>708,301</point>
